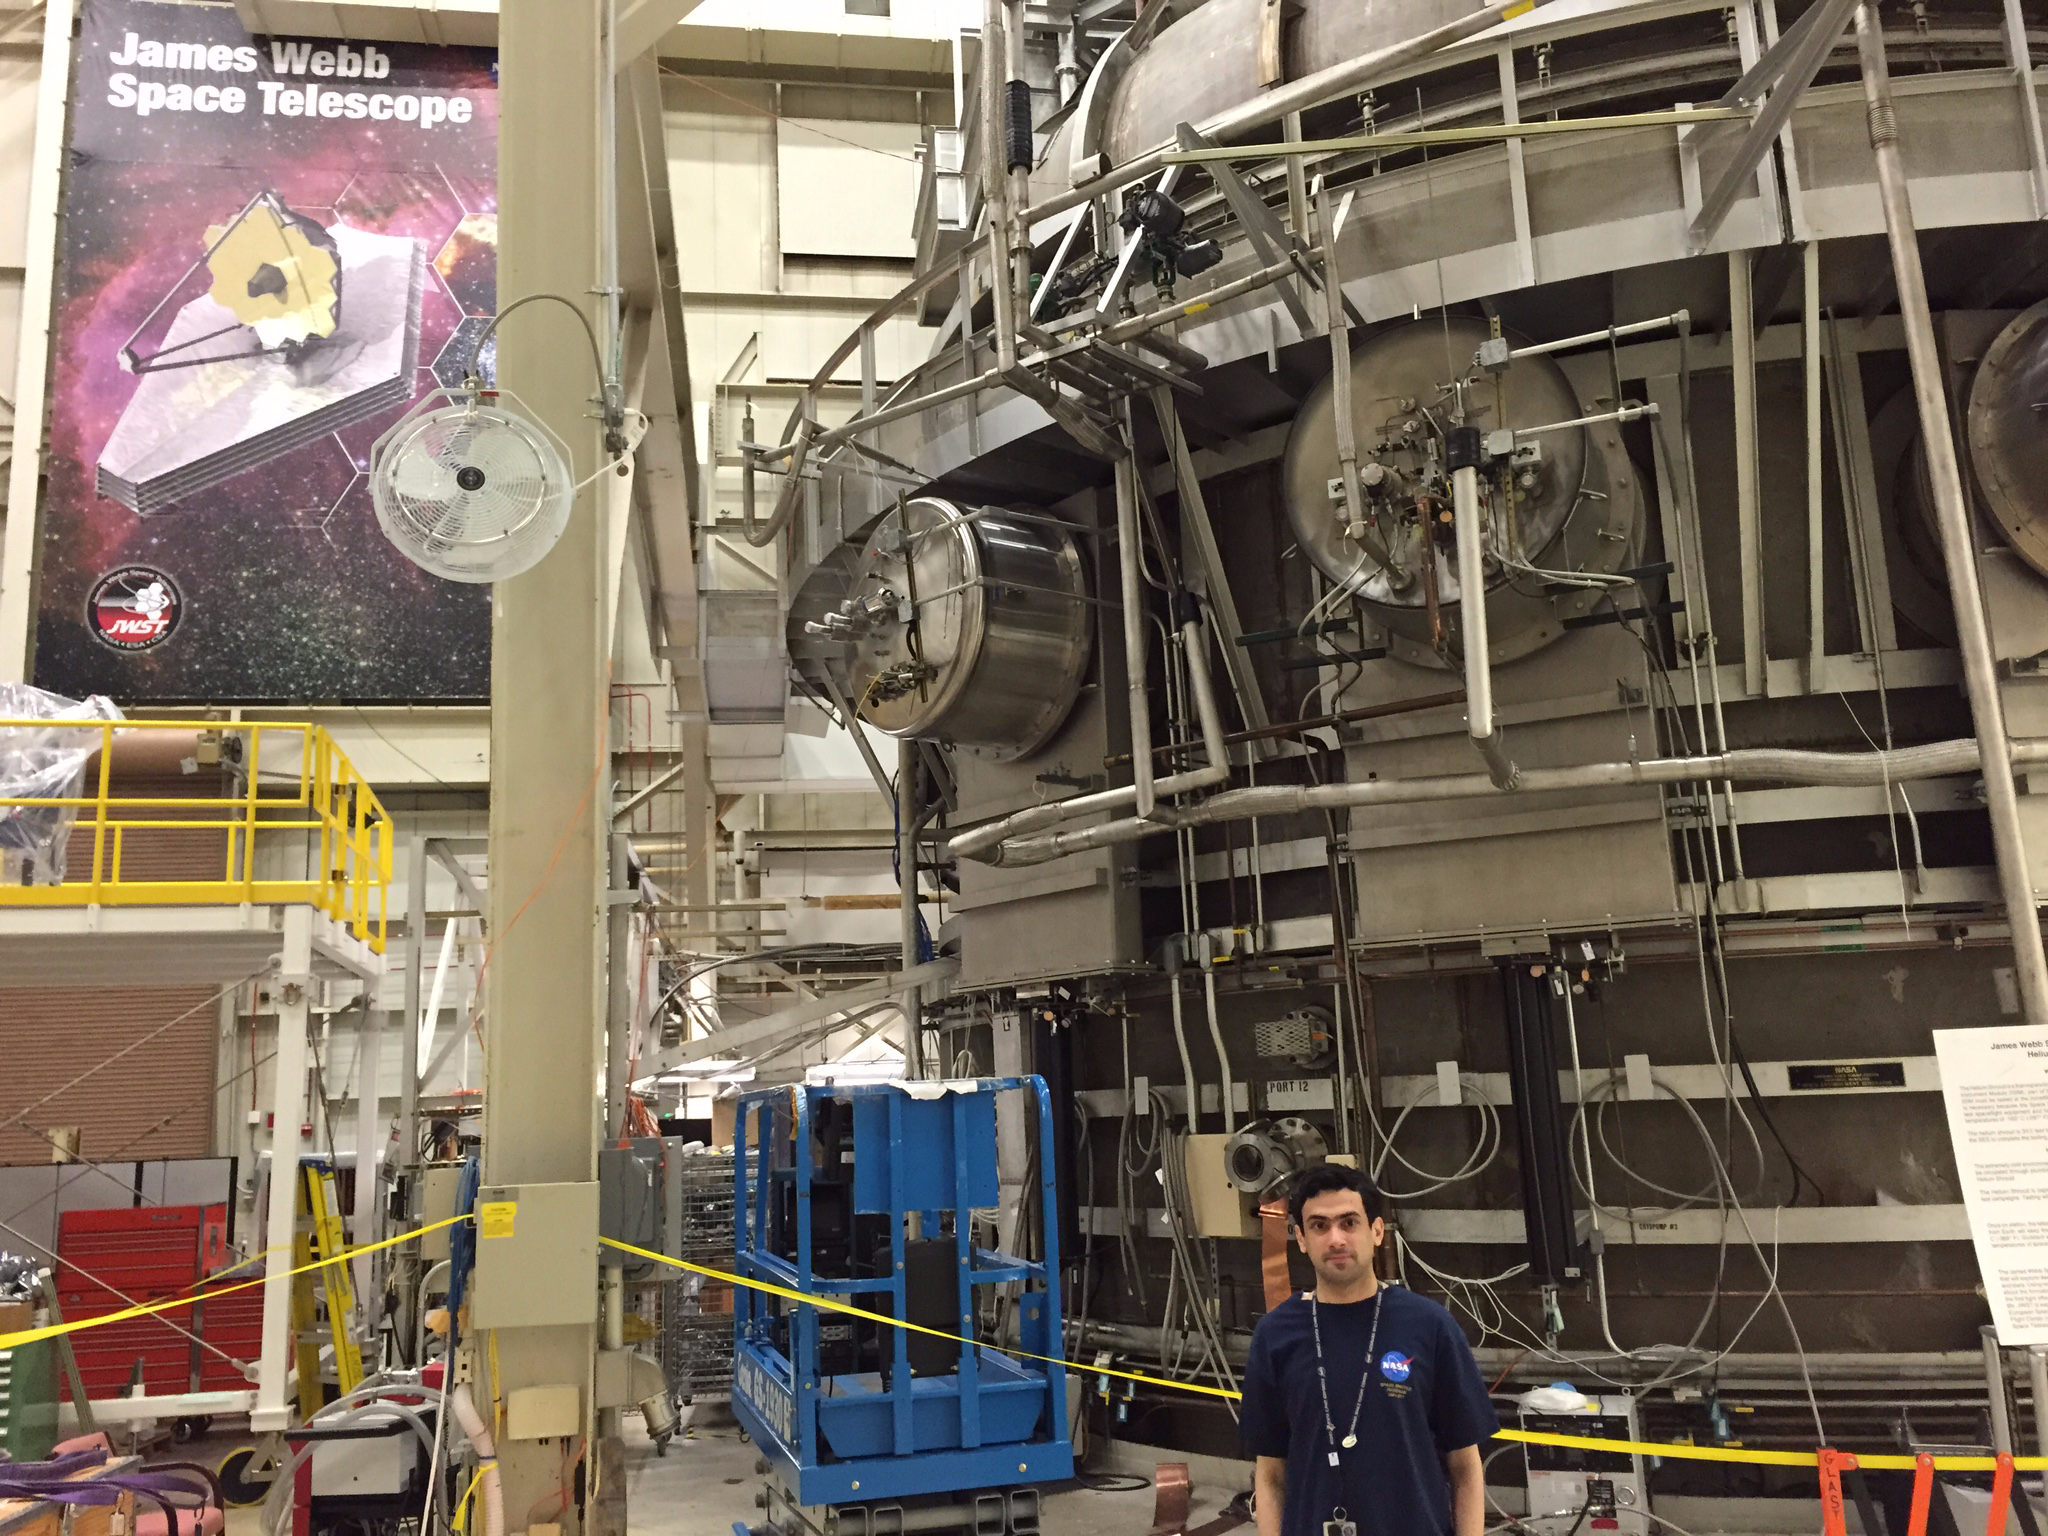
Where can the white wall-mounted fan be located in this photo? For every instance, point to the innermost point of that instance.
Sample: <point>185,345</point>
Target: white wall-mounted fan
<point>469,489</point>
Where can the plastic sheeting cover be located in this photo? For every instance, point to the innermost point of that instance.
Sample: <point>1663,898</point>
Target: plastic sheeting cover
<point>42,762</point>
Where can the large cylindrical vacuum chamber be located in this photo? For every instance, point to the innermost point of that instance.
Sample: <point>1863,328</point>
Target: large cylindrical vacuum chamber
<point>967,626</point>
<point>2008,433</point>
<point>1563,505</point>
<point>1208,61</point>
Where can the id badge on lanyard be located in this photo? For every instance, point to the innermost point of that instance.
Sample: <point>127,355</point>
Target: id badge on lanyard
<point>1339,1525</point>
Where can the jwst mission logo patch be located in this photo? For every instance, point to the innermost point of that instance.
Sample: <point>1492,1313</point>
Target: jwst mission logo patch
<point>134,608</point>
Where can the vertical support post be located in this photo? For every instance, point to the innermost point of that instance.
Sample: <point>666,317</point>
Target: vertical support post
<point>899,1294</point>
<point>803,1321</point>
<point>2019,56</point>
<point>369,1137</point>
<point>1297,180</point>
<point>1741,306</point>
<point>969,1369</point>
<point>618,992</point>
<point>2037,1387</point>
<point>906,879</point>
<point>18,540</point>
<point>1518,178</point>
<point>409,1037</point>
<point>1859,473</point>
<point>292,993</point>
<point>1019,203</point>
<point>550,717</point>
<point>1994,1387</point>
<point>1049,1255</point>
<point>995,187</point>
<point>1816,523</point>
<point>613,1316</point>
<point>1952,515</point>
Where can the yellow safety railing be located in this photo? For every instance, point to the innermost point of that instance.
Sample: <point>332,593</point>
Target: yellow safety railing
<point>346,832</point>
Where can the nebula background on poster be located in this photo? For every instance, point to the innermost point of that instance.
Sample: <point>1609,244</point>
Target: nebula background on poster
<point>290,591</point>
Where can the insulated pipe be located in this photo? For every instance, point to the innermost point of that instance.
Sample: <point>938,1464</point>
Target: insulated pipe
<point>995,185</point>
<point>1180,1038</point>
<point>1128,556</point>
<point>1216,1034</point>
<point>1339,326</point>
<point>785,502</point>
<point>1462,455</point>
<point>1752,764</point>
<point>1973,635</point>
<point>1017,157</point>
<point>978,843</point>
<point>906,885</point>
<point>1262,111</point>
<point>480,1441</point>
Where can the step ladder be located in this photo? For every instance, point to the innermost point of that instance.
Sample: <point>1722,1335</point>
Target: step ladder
<point>318,1235</point>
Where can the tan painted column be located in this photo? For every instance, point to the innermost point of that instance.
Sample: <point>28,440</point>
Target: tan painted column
<point>549,747</point>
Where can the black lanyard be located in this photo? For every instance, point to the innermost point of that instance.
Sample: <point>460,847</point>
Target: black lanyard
<point>1323,1379</point>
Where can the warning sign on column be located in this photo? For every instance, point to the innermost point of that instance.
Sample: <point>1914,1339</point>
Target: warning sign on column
<point>1994,1082</point>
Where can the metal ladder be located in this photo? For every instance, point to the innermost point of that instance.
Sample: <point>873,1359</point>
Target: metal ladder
<point>317,1236</point>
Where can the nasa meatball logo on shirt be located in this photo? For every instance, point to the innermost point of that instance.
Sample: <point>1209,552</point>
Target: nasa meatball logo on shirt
<point>134,608</point>
<point>1396,1367</point>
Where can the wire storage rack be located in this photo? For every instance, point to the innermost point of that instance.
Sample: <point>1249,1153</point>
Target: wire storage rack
<point>696,1312</point>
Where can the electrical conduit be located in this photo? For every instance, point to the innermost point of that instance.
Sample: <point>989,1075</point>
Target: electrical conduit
<point>487,1452</point>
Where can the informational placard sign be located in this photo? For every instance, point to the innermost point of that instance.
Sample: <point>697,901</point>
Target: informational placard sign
<point>1994,1082</point>
<point>271,248</point>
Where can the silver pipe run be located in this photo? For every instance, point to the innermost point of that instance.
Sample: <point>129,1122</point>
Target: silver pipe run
<point>1769,765</point>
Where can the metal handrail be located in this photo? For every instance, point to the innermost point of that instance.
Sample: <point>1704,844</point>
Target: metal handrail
<point>324,795</point>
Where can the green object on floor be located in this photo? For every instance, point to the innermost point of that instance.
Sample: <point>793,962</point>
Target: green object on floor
<point>28,1400</point>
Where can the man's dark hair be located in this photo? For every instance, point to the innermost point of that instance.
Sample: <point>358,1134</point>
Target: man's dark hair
<point>1328,1178</point>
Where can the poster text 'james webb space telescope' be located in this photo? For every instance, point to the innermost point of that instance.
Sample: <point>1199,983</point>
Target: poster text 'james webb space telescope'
<point>272,247</point>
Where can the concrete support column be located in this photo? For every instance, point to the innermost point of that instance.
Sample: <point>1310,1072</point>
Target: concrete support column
<point>550,794</point>
<point>291,989</point>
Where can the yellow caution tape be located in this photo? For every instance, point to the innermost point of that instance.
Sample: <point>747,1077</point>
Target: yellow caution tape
<point>1874,1463</point>
<point>1525,1436</point>
<point>151,1309</point>
<point>826,1304</point>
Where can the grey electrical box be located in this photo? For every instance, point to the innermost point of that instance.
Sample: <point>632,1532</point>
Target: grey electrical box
<point>536,1256</point>
<point>630,1200</point>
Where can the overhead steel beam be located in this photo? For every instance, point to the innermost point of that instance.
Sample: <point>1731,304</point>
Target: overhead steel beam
<point>1787,68</point>
<point>643,23</point>
<point>827,1005</point>
<point>1210,153</point>
<point>1261,225</point>
<point>443,855</point>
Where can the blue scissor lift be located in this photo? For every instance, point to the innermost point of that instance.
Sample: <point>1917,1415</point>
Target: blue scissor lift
<point>865,1194</point>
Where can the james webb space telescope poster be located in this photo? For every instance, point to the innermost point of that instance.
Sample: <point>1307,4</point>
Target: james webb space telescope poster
<point>271,248</point>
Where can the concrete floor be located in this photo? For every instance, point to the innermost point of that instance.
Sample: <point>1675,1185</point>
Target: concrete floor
<point>707,1481</point>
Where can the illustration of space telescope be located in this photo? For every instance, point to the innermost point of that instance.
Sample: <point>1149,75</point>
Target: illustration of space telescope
<point>304,330</point>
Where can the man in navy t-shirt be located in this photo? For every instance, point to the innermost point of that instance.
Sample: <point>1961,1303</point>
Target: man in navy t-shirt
<point>1362,1402</point>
